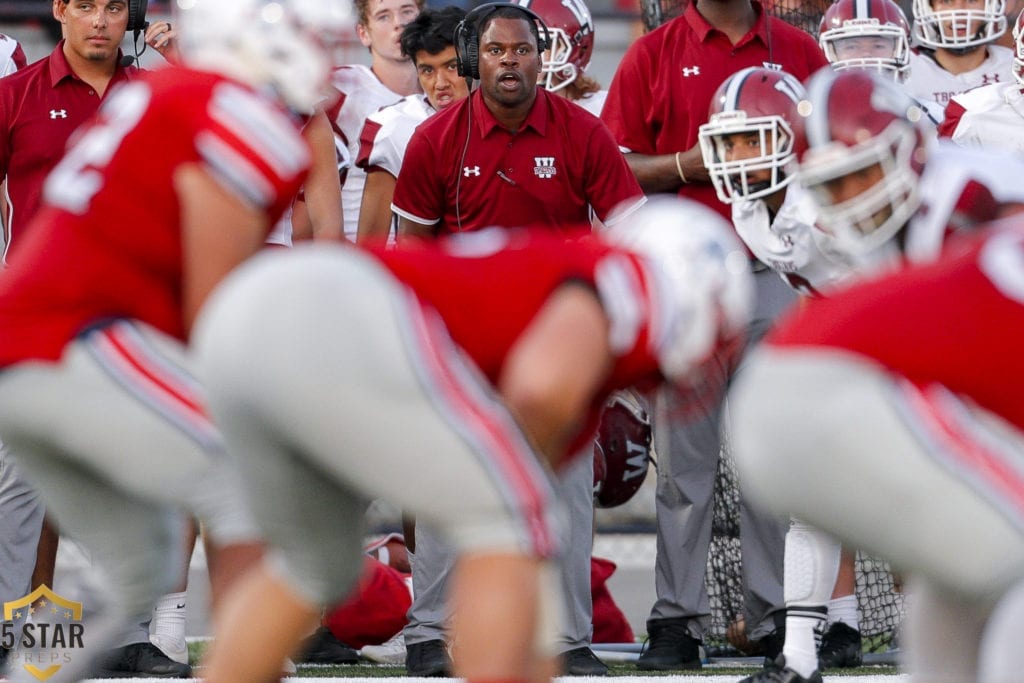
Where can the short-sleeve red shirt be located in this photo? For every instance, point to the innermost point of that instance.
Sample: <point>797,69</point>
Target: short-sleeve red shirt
<point>40,107</point>
<point>561,162</point>
<point>107,241</point>
<point>662,90</point>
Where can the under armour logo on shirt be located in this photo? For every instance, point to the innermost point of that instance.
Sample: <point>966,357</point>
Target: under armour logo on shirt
<point>58,113</point>
<point>691,71</point>
<point>468,171</point>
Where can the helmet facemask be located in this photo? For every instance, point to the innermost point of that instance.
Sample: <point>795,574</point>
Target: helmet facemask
<point>950,29</point>
<point>558,72</point>
<point>865,222</point>
<point>838,43</point>
<point>741,179</point>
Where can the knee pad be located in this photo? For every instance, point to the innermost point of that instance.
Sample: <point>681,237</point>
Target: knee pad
<point>811,564</point>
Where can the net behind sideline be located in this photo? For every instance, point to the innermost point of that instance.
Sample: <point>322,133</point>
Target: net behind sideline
<point>880,602</point>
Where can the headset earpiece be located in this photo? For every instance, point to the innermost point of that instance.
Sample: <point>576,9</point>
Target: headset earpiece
<point>137,15</point>
<point>467,39</point>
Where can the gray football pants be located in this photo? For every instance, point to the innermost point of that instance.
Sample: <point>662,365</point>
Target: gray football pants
<point>434,561</point>
<point>688,442</point>
<point>21,519</point>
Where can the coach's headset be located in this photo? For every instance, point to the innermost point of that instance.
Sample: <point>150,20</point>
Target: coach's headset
<point>137,15</point>
<point>136,24</point>
<point>467,36</point>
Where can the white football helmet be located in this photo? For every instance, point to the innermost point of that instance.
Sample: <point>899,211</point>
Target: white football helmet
<point>958,28</point>
<point>704,280</point>
<point>284,44</point>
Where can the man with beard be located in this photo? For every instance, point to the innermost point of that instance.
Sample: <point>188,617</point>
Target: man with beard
<point>510,154</point>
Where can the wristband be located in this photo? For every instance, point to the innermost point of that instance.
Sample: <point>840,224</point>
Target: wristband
<point>679,168</point>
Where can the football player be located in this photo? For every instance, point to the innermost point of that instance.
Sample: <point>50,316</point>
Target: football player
<point>956,48</point>
<point>878,196</point>
<point>991,115</point>
<point>101,410</point>
<point>451,375</point>
<point>565,65</point>
<point>749,150</point>
<point>889,415</point>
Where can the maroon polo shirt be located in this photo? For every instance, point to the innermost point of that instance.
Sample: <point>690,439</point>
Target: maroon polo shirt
<point>40,107</point>
<point>561,162</point>
<point>663,87</point>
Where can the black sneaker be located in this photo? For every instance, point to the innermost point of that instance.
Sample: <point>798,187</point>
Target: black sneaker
<point>841,647</point>
<point>428,659</point>
<point>142,660</point>
<point>582,661</point>
<point>778,672</point>
<point>323,648</point>
<point>771,645</point>
<point>669,647</point>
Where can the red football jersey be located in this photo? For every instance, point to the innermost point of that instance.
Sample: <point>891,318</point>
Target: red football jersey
<point>107,242</point>
<point>511,283</point>
<point>958,322</point>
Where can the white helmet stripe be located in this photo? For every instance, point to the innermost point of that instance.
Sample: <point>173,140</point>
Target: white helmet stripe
<point>816,125</point>
<point>732,93</point>
<point>862,9</point>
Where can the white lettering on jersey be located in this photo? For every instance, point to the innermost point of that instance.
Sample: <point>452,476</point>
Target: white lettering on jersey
<point>621,296</point>
<point>78,177</point>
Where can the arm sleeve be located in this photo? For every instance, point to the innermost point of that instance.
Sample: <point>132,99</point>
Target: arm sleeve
<point>954,112</point>
<point>419,192</point>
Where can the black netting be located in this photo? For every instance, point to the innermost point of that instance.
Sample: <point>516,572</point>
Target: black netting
<point>804,14</point>
<point>878,596</point>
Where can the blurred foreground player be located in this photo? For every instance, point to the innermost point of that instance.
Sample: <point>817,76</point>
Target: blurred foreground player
<point>465,369</point>
<point>99,406</point>
<point>889,415</point>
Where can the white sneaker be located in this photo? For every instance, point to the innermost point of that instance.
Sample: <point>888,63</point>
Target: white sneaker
<point>391,652</point>
<point>174,648</point>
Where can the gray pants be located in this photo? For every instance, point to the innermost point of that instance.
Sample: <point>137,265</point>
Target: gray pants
<point>117,457</point>
<point>21,519</point>
<point>688,443</point>
<point>428,614</point>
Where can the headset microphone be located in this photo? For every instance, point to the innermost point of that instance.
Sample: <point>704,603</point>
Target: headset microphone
<point>127,60</point>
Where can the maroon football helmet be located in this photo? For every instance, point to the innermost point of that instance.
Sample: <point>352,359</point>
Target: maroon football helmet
<point>762,104</point>
<point>867,34</point>
<point>622,450</point>
<point>572,40</point>
<point>860,125</point>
